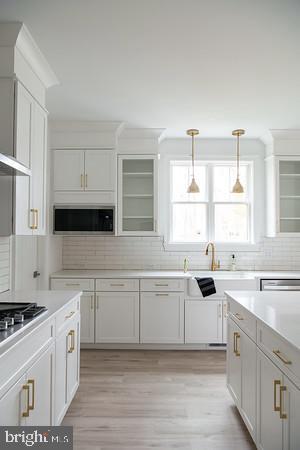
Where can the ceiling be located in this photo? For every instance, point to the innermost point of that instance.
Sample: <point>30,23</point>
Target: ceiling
<point>214,65</point>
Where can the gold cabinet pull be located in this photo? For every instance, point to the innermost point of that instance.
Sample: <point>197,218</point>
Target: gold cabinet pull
<point>283,415</point>
<point>281,357</point>
<point>31,407</point>
<point>236,336</point>
<point>238,316</point>
<point>26,413</point>
<point>37,218</point>
<point>70,315</point>
<point>117,284</point>
<point>72,284</point>
<point>276,383</point>
<point>220,310</point>
<point>72,346</point>
<point>86,180</point>
<point>162,295</point>
<point>33,223</point>
<point>162,284</point>
<point>225,314</point>
<point>81,181</point>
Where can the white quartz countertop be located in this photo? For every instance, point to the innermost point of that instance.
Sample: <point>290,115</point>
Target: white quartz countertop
<point>53,300</point>
<point>278,310</point>
<point>219,274</point>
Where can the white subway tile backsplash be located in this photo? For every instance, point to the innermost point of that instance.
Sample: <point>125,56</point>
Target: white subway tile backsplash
<point>92,252</point>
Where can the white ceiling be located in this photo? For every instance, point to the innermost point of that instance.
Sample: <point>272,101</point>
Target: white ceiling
<point>214,65</point>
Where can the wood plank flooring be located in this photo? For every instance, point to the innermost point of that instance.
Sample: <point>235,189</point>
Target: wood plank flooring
<point>142,400</point>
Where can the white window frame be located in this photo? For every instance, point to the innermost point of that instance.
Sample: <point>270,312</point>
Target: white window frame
<point>255,208</point>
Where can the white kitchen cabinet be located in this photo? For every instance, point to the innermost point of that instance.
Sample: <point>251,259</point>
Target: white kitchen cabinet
<point>30,149</point>
<point>162,318</point>
<point>269,380</point>
<point>13,404</point>
<point>225,318</point>
<point>291,407</point>
<point>84,170</point>
<point>203,321</point>
<point>241,374</point>
<point>87,318</point>
<point>117,317</point>
<point>66,366</point>
<point>137,195</point>
<point>30,400</point>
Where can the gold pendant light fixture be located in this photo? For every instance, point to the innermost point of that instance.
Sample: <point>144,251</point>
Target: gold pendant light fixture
<point>193,187</point>
<point>238,188</point>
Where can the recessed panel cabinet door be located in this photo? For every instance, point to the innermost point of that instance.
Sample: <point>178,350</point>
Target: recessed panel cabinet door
<point>99,170</point>
<point>162,318</point>
<point>87,317</point>
<point>270,428</point>
<point>234,365</point>
<point>117,317</point>
<point>73,352</point>
<point>248,386</point>
<point>13,404</point>
<point>203,322</point>
<point>68,171</point>
<point>39,379</point>
<point>291,424</point>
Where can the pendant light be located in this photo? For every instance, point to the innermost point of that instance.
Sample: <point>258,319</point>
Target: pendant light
<point>238,188</point>
<point>193,187</point>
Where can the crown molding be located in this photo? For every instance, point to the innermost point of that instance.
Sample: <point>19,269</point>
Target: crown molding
<point>142,133</point>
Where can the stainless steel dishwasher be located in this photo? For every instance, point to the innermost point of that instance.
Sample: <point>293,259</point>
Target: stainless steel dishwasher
<point>280,285</point>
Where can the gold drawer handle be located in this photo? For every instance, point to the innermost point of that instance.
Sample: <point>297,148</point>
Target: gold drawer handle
<point>236,336</point>
<point>281,357</point>
<point>162,295</point>
<point>117,284</point>
<point>282,414</point>
<point>31,407</point>
<point>72,284</point>
<point>72,335</point>
<point>26,413</point>
<point>70,315</point>
<point>35,215</point>
<point>161,285</point>
<point>276,383</point>
<point>81,181</point>
<point>238,316</point>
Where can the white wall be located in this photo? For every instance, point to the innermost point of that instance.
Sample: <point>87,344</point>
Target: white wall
<point>5,262</point>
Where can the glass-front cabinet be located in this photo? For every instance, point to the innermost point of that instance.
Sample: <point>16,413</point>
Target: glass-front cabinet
<point>137,195</point>
<point>289,196</point>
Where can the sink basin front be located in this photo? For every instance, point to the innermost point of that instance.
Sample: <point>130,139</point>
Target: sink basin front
<point>224,281</point>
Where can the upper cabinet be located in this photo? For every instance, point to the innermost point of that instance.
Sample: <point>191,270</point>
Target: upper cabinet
<point>91,172</point>
<point>137,195</point>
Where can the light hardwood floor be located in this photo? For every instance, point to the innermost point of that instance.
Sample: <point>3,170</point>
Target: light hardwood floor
<point>141,400</point>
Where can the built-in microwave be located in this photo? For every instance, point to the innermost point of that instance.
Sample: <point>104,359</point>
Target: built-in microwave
<point>83,219</point>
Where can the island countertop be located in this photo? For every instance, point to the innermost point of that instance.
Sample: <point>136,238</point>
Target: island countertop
<point>280,311</point>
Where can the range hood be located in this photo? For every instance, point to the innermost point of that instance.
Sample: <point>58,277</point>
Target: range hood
<point>10,166</point>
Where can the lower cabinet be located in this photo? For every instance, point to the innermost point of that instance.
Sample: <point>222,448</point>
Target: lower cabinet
<point>117,317</point>
<point>66,366</point>
<point>162,317</point>
<point>30,400</point>
<point>241,374</point>
<point>87,314</point>
<point>278,408</point>
<point>203,321</point>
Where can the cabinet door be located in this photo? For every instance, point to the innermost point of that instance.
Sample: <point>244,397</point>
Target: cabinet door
<point>13,404</point>
<point>203,322</point>
<point>225,318</point>
<point>117,317</point>
<point>68,172</point>
<point>99,170</point>
<point>38,166</point>
<point>234,365</point>
<point>39,379</point>
<point>73,357</point>
<point>291,407</point>
<point>162,318</point>
<point>23,142</point>
<point>87,318</point>
<point>270,429</point>
<point>248,382</point>
<point>60,377</point>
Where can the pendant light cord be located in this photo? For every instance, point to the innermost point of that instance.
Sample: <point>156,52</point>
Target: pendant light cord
<point>238,157</point>
<point>193,156</point>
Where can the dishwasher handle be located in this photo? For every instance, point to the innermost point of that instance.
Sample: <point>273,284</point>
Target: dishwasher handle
<point>272,287</point>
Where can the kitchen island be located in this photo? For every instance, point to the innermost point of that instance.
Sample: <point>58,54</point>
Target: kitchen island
<point>40,364</point>
<point>263,365</point>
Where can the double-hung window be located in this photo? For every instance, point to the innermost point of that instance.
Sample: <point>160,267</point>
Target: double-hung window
<point>215,213</point>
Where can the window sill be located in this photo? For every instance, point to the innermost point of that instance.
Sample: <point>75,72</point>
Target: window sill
<point>201,246</point>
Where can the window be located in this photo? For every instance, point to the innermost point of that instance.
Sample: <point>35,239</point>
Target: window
<point>214,213</point>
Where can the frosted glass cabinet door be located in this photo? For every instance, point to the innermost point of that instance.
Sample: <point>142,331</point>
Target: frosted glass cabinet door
<point>137,195</point>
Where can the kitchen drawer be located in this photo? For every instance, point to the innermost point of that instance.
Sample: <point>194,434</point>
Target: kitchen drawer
<point>281,353</point>
<point>117,284</point>
<point>72,284</point>
<point>67,314</point>
<point>243,318</point>
<point>162,284</point>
